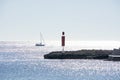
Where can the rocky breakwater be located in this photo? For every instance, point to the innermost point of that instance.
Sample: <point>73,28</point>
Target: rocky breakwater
<point>80,54</point>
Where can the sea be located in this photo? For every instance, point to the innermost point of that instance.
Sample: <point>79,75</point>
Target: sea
<point>22,60</point>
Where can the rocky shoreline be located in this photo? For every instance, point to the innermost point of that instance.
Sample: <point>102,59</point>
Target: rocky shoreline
<point>80,54</point>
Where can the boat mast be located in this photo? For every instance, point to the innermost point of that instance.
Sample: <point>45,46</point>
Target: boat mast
<point>41,39</point>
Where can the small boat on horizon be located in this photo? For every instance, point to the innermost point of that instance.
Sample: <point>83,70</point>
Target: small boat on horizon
<point>39,44</point>
<point>42,42</point>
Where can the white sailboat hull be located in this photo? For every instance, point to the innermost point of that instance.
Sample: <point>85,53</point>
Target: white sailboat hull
<point>39,44</point>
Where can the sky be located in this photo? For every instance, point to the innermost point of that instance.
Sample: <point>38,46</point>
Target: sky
<point>82,20</point>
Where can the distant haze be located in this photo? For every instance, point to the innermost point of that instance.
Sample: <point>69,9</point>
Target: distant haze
<point>80,19</point>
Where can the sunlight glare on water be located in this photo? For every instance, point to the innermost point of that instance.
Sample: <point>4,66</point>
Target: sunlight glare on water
<point>24,61</point>
<point>75,45</point>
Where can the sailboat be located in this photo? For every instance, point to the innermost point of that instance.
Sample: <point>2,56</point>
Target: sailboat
<point>41,41</point>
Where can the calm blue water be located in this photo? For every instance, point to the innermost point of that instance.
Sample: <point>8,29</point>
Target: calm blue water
<point>24,61</point>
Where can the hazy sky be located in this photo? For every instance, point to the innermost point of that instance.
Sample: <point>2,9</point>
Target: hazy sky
<point>80,19</point>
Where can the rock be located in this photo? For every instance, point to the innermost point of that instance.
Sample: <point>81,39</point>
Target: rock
<point>81,54</point>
